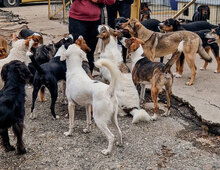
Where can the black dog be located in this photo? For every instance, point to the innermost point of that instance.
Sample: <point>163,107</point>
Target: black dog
<point>199,27</point>
<point>48,74</point>
<point>151,24</point>
<point>12,98</point>
<point>202,13</point>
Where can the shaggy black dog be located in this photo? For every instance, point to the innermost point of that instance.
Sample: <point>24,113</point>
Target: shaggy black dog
<point>12,98</point>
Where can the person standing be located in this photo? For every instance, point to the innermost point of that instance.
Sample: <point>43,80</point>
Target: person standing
<point>121,6</point>
<point>84,19</point>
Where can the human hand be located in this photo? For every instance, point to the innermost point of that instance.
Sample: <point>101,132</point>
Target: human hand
<point>95,1</point>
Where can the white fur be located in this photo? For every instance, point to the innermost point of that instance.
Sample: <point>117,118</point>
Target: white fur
<point>82,90</point>
<point>136,55</point>
<point>18,52</point>
<point>180,46</point>
<point>60,51</point>
<point>126,91</point>
<point>140,115</point>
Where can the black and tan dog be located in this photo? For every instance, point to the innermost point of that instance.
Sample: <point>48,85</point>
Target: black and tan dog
<point>144,70</point>
<point>161,44</point>
<point>199,27</point>
<point>15,74</point>
<point>214,37</point>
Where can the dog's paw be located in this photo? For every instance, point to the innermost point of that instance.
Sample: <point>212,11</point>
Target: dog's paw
<point>67,115</point>
<point>105,152</point>
<point>167,113</point>
<point>202,68</point>
<point>21,151</point>
<point>188,83</point>
<point>32,116</point>
<point>86,130</point>
<point>67,133</point>
<point>154,117</point>
<point>9,148</point>
<point>119,143</point>
<point>177,75</point>
<point>216,71</point>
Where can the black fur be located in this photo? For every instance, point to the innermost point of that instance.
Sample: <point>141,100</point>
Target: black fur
<point>12,99</point>
<point>202,13</point>
<point>48,74</point>
<point>24,33</point>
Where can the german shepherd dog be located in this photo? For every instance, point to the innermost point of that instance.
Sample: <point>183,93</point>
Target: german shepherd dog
<point>160,44</point>
<point>199,27</point>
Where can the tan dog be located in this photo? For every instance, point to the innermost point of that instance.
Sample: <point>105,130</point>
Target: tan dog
<point>144,70</point>
<point>161,44</point>
<point>3,47</point>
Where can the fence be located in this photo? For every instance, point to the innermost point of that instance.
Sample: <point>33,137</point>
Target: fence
<point>159,9</point>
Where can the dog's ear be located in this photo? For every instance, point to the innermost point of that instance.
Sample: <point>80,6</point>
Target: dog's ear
<point>13,37</point>
<point>4,72</point>
<point>140,41</point>
<point>23,71</point>
<point>103,35</point>
<point>177,22</point>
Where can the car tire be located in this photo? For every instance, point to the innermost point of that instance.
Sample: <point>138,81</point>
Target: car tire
<point>11,3</point>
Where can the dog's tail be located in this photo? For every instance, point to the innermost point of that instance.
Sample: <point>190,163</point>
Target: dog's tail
<point>34,62</point>
<point>203,53</point>
<point>140,115</point>
<point>174,57</point>
<point>114,71</point>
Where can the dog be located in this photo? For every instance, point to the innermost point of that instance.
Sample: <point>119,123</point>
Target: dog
<point>214,37</point>
<point>144,70</point>
<point>126,92</point>
<point>82,90</point>
<point>18,52</point>
<point>199,27</point>
<point>3,47</point>
<point>15,74</point>
<point>151,24</point>
<point>161,44</point>
<point>25,33</point>
<point>145,11</point>
<point>202,13</point>
<point>48,74</point>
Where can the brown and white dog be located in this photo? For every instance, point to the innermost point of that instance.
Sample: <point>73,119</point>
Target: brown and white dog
<point>25,33</point>
<point>126,91</point>
<point>160,44</point>
<point>144,70</point>
<point>18,52</point>
<point>3,47</point>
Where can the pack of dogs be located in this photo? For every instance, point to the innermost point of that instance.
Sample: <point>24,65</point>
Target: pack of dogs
<point>29,61</point>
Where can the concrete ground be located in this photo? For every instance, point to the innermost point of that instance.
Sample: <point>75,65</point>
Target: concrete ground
<point>204,95</point>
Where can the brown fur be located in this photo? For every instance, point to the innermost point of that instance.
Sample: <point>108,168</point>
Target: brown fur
<point>161,44</point>
<point>3,48</point>
<point>158,74</point>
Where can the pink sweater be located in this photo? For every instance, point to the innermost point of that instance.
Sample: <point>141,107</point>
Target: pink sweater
<point>85,10</point>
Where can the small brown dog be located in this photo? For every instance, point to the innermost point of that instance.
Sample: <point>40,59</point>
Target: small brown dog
<point>3,47</point>
<point>144,70</point>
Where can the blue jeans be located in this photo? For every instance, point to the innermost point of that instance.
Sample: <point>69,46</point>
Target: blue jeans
<point>89,31</point>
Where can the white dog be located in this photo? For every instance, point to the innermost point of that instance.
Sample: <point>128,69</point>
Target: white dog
<point>18,52</point>
<point>126,92</point>
<point>81,89</point>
